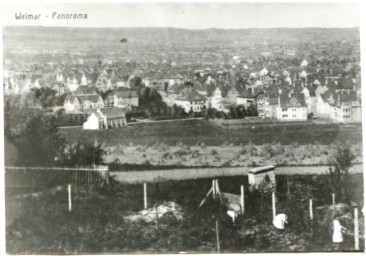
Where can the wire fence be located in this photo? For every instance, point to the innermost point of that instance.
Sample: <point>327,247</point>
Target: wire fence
<point>20,177</point>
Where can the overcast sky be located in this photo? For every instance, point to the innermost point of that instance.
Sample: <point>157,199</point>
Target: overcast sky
<point>190,15</point>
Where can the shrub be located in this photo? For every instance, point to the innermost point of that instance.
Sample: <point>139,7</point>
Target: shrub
<point>242,151</point>
<point>252,163</point>
<point>225,144</point>
<point>213,152</point>
<point>203,145</point>
<point>179,144</point>
<point>195,154</point>
<point>227,163</point>
<point>119,150</point>
<point>295,144</point>
<point>155,146</point>
<point>278,148</point>
<point>167,156</point>
<point>251,148</point>
<point>180,152</point>
<point>163,147</point>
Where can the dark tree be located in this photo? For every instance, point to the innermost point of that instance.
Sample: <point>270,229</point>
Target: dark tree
<point>39,142</point>
<point>81,154</point>
<point>339,164</point>
<point>252,110</point>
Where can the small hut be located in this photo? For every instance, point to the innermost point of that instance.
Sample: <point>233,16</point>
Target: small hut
<point>259,175</point>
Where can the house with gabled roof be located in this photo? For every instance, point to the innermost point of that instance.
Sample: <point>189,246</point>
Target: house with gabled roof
<point>125,99</point>
<point>291,107</point>
<point>83,102</point>
<point>191,101</point>
<point>105,118</point>
<point>342,106</point>
<point>246,98</point>
<point>104,82</point>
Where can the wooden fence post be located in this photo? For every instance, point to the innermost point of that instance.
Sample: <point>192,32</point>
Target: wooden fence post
<point>333,202</point>
<point>357,245</point>
<point>242,198</point>
<point>273,205</point>
<point>288,189</point>
<point>145,196</point>
<point>311,208</point>
<point>69,192</point>
<point>213,189</point>
<point>217,236</point>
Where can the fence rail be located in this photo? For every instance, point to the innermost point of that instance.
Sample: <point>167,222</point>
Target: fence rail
<point>17,177</point>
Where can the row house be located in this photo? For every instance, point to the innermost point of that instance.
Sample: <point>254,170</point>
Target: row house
<point>105,118</point>
<point>83,102</point>
<point>347,108</point>
<point>124,99</point>
<point>261,105</point>
<point>191,101</point>
<point>220,103</point>
<point>104,80</point>
<point>165,82</point>
<point>246,99</point>
<point>270,106</point>
<point>341,107</point>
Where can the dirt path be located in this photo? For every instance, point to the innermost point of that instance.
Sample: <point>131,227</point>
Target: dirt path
<point>197,173</point>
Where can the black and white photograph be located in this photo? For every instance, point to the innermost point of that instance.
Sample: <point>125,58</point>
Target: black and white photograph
<point>186,127</point>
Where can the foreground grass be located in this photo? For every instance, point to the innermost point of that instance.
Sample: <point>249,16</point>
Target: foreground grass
<point>97,224</point>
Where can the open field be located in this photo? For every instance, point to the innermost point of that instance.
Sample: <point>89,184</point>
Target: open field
<point>225,155</point>
<point>190,132</point>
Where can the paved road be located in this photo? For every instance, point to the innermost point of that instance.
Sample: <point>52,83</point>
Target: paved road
<point>197,173</point>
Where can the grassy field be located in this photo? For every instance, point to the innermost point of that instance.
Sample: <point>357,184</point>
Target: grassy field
<point>226,155</point>
<point>192,131</point>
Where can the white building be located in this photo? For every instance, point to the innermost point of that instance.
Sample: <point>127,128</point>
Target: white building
<point>291,108</point>
<point>191,102</point>
<point>105,118</point>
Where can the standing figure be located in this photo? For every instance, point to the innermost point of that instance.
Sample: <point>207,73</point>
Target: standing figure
<point>337,233</point>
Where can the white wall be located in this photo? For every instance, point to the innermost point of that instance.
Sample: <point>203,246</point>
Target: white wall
<point>91,123</point>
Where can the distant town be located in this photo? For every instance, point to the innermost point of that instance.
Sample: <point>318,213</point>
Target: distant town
<point>273,82</point>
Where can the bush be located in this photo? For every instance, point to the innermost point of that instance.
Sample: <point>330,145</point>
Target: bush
<point>252,163</point>
<point>225,144</point>
<point>242,151</point>
<point>213,152</point>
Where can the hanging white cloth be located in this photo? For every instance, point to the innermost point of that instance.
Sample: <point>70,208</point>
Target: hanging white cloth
<point>337,232</point>
<point>280,220</point>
